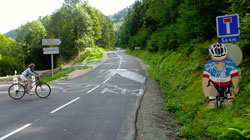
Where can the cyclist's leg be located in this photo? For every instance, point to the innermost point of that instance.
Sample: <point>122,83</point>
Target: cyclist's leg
<point>24,79</point>
<point>228,93</point>
<point>212,104</point>
<point>27,83</point>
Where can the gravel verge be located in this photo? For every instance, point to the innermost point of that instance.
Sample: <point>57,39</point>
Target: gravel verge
<point>154,122</point>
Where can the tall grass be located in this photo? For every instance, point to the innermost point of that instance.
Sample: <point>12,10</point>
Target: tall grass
<point>180,75</point>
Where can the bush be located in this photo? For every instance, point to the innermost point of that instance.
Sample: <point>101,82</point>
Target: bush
<point>9,64</point>
<point>90,54</point>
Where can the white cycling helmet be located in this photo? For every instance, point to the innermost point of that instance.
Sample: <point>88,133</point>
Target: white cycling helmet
<point>217,50</point>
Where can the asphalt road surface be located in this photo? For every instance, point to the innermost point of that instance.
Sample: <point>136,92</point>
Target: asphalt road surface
<point>100,105</point>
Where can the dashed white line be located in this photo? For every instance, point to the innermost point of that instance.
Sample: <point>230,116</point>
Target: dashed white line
<point>64,105</point>
<point>109,77</point>
<point>115,70</point>
<point>93,89</point>
<point>12,133</point>
<point>3,92</point>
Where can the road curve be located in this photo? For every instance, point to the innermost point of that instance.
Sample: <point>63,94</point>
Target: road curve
<point>100,105</point>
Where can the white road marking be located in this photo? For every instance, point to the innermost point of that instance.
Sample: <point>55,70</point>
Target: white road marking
<point>93,89</point>
<point>115,71</point>
<point>64,105</point>
<point>3,92</point>
<point>109,77</point>
<point>12,133</point>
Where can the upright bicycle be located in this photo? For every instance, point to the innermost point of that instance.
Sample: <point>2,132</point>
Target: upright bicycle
<point>18,90</point>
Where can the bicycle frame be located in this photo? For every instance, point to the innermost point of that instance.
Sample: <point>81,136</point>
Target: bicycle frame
<point>37,81</point>
<point>42,90</point>
<point>220,101</point>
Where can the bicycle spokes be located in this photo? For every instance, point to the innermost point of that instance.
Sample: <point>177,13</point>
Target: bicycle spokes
<point>16,91</point>
<point>43,90</point>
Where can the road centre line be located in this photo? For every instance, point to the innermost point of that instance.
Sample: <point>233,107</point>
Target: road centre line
<point>109,77</point>
<point>64,105</point>
<point>115,71</point>
<point>17,130</point>
<point>93,88</point>
<point>3,92</point>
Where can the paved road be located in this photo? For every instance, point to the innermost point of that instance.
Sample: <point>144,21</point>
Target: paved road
<point>100,105</point>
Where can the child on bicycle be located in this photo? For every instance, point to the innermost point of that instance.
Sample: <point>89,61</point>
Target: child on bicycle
<point>26,76</point>
<point>220,77</point>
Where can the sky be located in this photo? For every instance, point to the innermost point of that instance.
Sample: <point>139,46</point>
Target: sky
<point>14,13</point>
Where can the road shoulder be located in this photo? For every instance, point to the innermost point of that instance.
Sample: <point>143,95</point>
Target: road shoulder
<point>154,122</point>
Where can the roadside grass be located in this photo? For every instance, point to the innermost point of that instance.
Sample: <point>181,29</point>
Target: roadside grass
<point>93,54</point>
<point>61,74</point>
<point>180,75</point>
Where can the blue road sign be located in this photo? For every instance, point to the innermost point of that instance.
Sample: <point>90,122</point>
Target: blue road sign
<point>228,25</point>
<point>229,39</point>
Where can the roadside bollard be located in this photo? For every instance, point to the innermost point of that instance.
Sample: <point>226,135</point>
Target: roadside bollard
<point>84,63</point>
<point>15,80</point>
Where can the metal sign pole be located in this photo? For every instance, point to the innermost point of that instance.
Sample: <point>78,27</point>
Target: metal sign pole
<point>51,50</point>
<point>52,65</point>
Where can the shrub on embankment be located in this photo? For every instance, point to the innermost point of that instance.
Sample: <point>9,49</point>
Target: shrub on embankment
<point>9,64</point>
<point>180,75</point>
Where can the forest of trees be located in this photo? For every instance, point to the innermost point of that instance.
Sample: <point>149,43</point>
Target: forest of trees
<point>117,21</point>
<point>174,37</point>
<point>157,25</point>
<point>76,23</point>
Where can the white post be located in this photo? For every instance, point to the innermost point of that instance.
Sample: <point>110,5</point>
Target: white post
<point>15,80</point>
<point>84,63</point>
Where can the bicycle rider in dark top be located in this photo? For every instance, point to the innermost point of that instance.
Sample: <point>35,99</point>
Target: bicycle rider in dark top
<point>26,76</point>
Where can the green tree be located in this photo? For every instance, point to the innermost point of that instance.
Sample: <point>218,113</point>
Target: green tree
<point>108,36</point>
<point>30,36</point>
<point>75,3</point>
<point>96,23</point>
<point>83,28</point>
<point>4,45</point>
<point>242,8</point>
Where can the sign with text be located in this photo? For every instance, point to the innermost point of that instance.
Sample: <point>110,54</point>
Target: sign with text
<point>51,41</point>
<point>51,52</point>
<point>54,50</point>
<point>228,25</point>
<point>229,39</point>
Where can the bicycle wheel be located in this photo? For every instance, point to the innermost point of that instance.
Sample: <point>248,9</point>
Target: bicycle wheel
<point>43,90</point>
<point>16,91</point>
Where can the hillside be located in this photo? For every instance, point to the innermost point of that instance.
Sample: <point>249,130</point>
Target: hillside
<point>11,34</point>
<point>117,21</point>
<point>119,16</point>
<point>78,25</point>
<point>174,37</point>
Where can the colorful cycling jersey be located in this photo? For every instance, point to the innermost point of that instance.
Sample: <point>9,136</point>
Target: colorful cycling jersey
<point>221,78</point>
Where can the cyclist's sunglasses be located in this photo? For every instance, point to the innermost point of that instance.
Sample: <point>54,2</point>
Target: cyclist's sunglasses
<point>218,61</point>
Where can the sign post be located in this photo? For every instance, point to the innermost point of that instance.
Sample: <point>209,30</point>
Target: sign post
<point>228,28</point>
<point>51,50</point>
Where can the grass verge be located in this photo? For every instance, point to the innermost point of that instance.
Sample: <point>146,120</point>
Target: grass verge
<point>180,75</point>
<point>61,74</point>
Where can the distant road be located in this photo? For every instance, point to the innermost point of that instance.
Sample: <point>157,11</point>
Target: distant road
<point>100,105</point>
